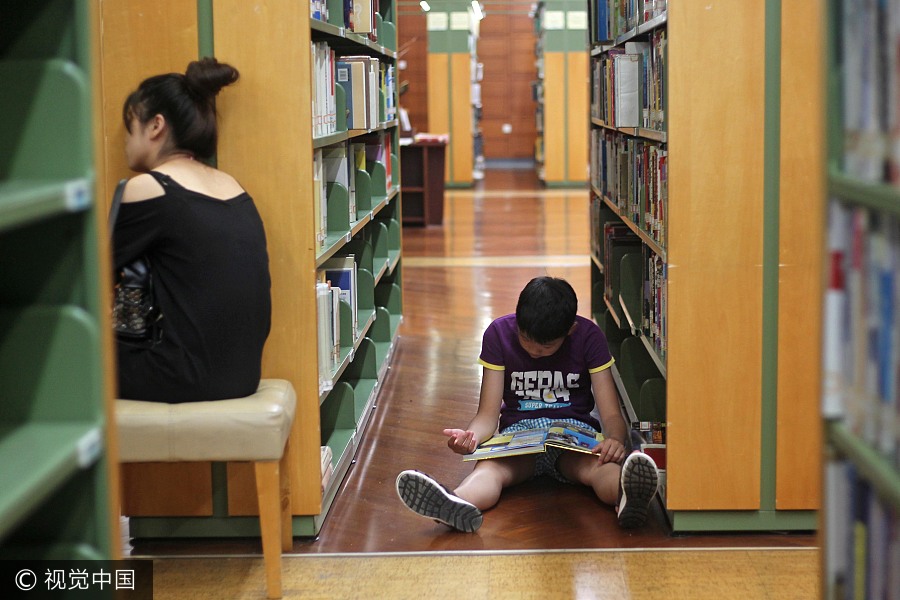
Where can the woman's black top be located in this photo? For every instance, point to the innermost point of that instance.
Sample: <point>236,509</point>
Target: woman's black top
<point>211,278</point>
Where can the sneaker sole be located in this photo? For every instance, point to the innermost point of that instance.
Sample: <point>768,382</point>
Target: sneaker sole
<point>425,496</point>
<point>640,480</point>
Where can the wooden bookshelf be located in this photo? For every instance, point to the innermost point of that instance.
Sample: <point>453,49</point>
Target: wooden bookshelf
<point>450,86</point>
<point>561,146</point>
<point>262,117</point>
<point>734,370</point>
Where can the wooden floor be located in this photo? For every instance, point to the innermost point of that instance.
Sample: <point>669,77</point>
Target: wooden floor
<point>456,278</point>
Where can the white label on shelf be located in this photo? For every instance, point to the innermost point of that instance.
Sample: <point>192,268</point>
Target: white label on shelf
<point>554,19</point>
<point>88,448</point>
<point>437,21</point>
<point>77,197</point>
<point>576,19</point>
<point>459,21</point>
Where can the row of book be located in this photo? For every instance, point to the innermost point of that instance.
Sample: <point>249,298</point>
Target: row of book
<point>368,85</point>
<point>615,18</point>
<point>633,174</point>
<point>861,343</point>
<point>628,84</point>
<point>611,240</point>
<point>870,53</point>
<point>336,283</point>
<point>339,164</point>
<point>862,538</point>
<point>358,15</point>
<point>654,311</point>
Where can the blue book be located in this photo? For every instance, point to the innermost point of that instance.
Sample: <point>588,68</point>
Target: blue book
<point>602,20</point>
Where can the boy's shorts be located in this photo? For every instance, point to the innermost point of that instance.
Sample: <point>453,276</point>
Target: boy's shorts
<point>546,463</point>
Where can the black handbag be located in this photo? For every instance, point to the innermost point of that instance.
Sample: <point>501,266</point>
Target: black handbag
<point>135,315</point>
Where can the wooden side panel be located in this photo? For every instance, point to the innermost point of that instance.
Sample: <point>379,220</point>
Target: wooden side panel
<point>439,101</point>
<point>461,143</point>
<point>800,255</point>
<point>167,490</point>
<point>413,44</point>
<point>554,100</point>
<point>577,114</point>
<point>506,35</point>
<point>138,39</point>
<point>716,128</point>
<point>272,158</point>
<point>127,30</point>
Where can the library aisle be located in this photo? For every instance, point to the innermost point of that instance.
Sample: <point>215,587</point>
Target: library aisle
<point>456,279</point>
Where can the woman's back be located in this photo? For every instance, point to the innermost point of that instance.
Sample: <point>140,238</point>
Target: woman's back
<point>210,268</point>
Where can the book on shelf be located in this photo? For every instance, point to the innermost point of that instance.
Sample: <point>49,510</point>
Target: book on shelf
<point>352,76</point>
<point>320,198</point>
<point>337,170</point>
<point>326,456</point>
<point>362,16</point>
<point>379,151</point>
<point>369,73</point>
<point>340,273</point>
<point>357,159</point>
<point>325,335</point>
<point>626,75</point>
<point>559,434</point>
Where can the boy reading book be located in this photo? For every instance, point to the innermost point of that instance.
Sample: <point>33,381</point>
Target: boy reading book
<point>540,365</point>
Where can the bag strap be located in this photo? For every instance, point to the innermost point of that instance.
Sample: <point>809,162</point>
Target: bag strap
<point>116,202</point>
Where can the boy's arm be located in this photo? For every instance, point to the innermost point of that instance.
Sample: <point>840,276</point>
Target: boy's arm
<point>612,449</point>
<point>484,424</point>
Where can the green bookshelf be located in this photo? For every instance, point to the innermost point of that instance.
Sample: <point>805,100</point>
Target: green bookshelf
<point>53,451</point>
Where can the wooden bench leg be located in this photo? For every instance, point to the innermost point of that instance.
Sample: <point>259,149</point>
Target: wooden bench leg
<point>287,519</point>
<point>268,492</point>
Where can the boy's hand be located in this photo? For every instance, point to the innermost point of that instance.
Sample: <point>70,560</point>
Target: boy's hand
<point>610,450</point>
<point>461,442</point>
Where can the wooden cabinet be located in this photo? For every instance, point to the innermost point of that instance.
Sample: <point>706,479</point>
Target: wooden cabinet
<point>422,163</point>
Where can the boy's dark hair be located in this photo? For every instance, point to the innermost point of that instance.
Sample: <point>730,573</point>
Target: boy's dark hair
<point>186,101</point>
<point>546,309</point>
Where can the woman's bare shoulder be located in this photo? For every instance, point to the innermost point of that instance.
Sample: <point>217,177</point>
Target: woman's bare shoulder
<point>142,187</point>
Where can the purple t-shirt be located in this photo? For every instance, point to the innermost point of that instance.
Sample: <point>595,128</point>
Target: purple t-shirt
<point>556,386</point>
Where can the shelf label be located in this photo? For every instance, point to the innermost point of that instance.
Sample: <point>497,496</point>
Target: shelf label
<point>76,195</point>
<point>437,21</point>
<point>88,448</point>
<point>459,21</point>
<point>554,19</point>
<point>576,19</point>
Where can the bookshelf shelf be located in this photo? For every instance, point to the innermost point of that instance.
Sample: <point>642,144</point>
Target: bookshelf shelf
<point>876,196</point>
<point>877,469</point>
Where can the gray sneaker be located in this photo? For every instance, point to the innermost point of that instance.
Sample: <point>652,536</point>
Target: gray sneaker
<point>425,496</point>
<point>638,485</point>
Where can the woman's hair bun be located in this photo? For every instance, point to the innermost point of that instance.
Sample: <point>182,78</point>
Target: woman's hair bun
<point>207,76</point>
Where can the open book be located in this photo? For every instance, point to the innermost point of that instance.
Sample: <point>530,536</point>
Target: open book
<point>530,441</point>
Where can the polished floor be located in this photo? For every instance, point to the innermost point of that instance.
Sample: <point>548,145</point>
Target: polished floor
<point>456,278</point>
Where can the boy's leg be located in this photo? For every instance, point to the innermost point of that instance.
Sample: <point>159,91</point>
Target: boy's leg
<point>587,470</point>
<point>483,485</point>
<point>425,496</point>
<point>637,479</point>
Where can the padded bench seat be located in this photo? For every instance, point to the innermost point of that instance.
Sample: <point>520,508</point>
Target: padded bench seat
<point>252,429</point>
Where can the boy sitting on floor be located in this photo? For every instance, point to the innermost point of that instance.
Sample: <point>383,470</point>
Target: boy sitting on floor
<point>544,363</point>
